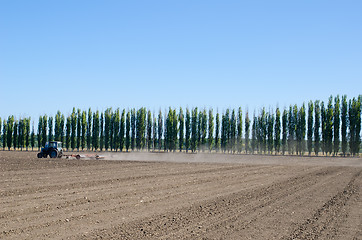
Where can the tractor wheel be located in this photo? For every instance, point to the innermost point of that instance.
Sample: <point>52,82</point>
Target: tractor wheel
<point>45,155</point>
<point>39,155</point>
<point>53,154</point>
<point>77,157</point>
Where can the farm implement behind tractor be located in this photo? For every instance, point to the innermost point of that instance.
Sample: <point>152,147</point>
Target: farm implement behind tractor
<point>54,150</point>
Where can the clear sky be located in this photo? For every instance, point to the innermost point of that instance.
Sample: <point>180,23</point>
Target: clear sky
<point>56,55</point>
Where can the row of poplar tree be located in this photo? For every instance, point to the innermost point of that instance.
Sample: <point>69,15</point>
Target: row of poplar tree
<point>329,128</point>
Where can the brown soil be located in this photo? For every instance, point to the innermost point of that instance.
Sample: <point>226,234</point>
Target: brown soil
<point>180,196</point>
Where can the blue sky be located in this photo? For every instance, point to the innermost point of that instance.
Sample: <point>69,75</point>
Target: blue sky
<point>56,55</point>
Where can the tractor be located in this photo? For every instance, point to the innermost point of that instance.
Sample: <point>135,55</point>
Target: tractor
<point>53,149</point>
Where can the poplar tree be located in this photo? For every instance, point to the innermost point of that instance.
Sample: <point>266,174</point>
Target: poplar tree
<point>15,134</point>
<point>270,128</point>
<point>232,145</point>
<point>79,128</point>
<point>247,132</point>
<point>97,127</point>
<point>140,128</point>
<point>160,130</point>
<point>211,130</point>
<point>217,132</point>
<point>9,133</point>
<point>224,127</point>
<point>354,113</point>
<point>61,128</point>
<point>122,130</point>
<point>21,132</point>
<point>310,127</point>
<point>155,137</point>
<point>116,132</point>
<point>240,130</point>
<point>284,130</point>
<point>149,130</point>
<point>301,129</point>
<point>317,117</point>
<point>101,129</point>
<point>291,130</point>
<point>323,122</point>
<point>68,132</point>
<point>89,129</point>
<point>73,129</point>
<point>344,123</point>
<point>128,129</point>
<point>203,117</point>
<point>44,130</point>
<point>254,134</point>
<point>194,129</point>
<point>40,127</point>
<point>188,130</point>
<point>4,134</point>
<point>277,131</point>
<point>57,126</point>
<point>181,129</point>
<point>329,126</point>
<point>336,125</point>
<point>32,138</point>
<point>199,130</point>
<point>133,128</point>
<point>50,125</point>
<point>84,129</point>
<point>263,130</point>
<point>107,123</point>
<point>27,132</point>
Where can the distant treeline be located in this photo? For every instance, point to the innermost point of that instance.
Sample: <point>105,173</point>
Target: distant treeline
<point>329,128</point>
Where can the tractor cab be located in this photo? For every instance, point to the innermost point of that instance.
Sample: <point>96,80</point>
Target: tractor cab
<point>53,149</point>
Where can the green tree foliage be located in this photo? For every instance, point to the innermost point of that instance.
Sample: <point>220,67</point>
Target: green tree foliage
<point>155,137</point>
<point>68,132</point>
<point>50,129</point>
<point>217,132</point>
<point>291,130</point>
<point>57,128</point>
<point>15,134</point>
<point>128,130</point>
<point>149,130</point>
<point>133,129</point>
<point>225,130</point>
<point>317,118</point>
<point>84,129</point>
<point>284,131</point>
<point>247,132</point>
<point>73,129</point>
<point>21,132</point>
<point>171,130</point>
<point>32,138</point>
<point>194,124</point>
<point>270,133</point>
<point>95,130</point>
<point>344,123</point>
<point>240,130</point>
<point>27,133</point>
<point>39,135</point>
<point>122,130</point>
<point>188,130</point>
<point>79,128</point>
<point>107,127</point>
<point>89,129</point>
<point>254,134</point>
<point>336,125</point>
<point>323,128</point>
<point>263,130</point>
<point>181,124</point>
<point>310,127</point>
<point>9,132</point>
<point>140,128</point>
<point>44,130</point>
<point>354,113</point>
<point>116,132</point>
<point>199,130</point>
<point>329,126</point>
<point>101,130</point>
<point>210,139</point>
<point>300,130</point>
<point>4,139</point>
<point>277,131</point>
<point>203,132</point>
<point>232,138</point>
<point>160,130</point>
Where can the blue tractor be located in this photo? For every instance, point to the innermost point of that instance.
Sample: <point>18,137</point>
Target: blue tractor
<point>52,149</point>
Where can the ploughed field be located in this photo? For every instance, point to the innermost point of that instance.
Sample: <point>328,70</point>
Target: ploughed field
<point>180,196</point>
